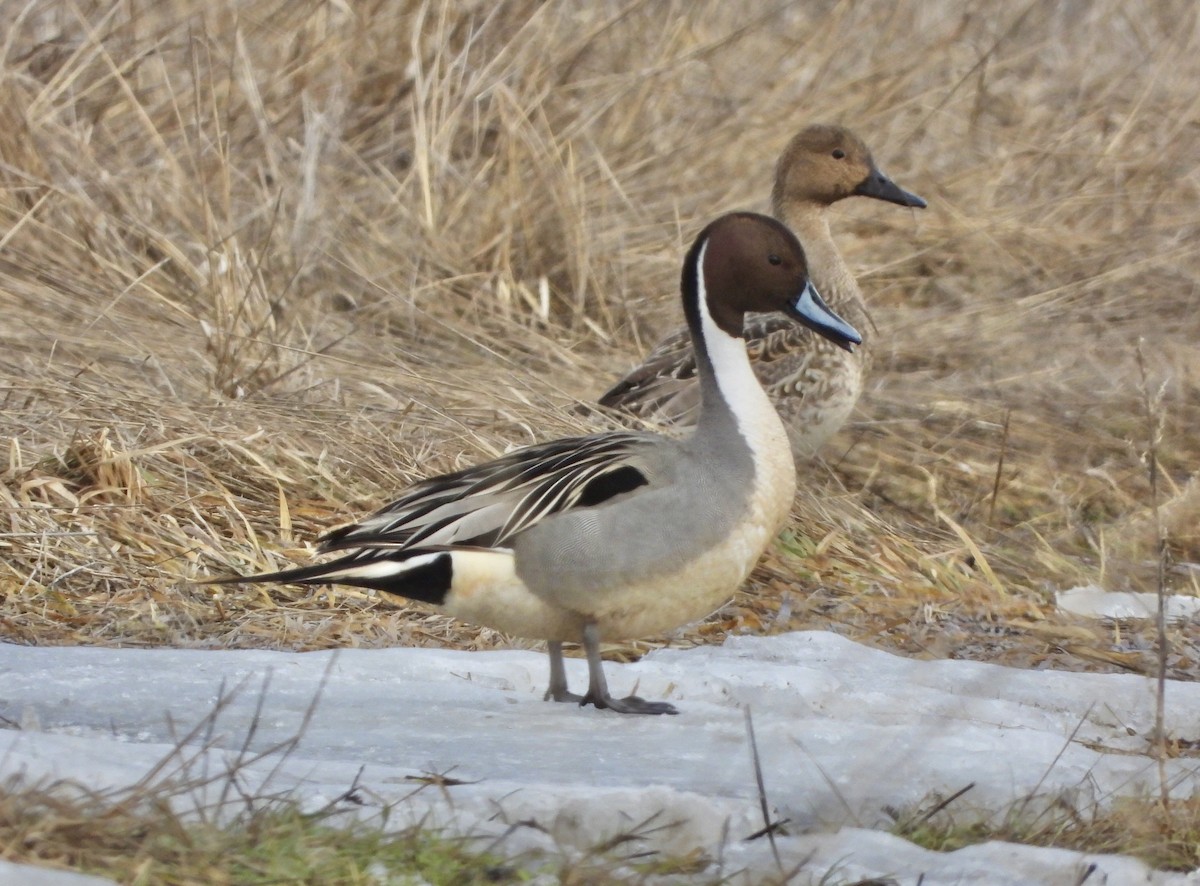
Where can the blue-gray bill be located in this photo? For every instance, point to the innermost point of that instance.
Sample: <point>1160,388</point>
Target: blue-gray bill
<point>810,309</point>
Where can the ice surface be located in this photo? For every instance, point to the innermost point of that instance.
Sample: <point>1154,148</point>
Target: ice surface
<point>1096,602</point>
<point>843,732</point>
<point>27,875</point>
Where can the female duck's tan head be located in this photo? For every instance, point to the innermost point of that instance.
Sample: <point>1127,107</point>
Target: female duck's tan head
<point>823,164</point>
<point>747,262</point>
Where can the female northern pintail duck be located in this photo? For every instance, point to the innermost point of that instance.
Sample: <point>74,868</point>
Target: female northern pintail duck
<point>814,383</point>
<point>617,534</point>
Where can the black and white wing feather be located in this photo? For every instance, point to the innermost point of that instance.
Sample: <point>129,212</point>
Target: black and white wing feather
<point>486,505</point>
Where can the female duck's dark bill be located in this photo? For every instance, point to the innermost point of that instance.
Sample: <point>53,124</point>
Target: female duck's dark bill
<point>881,187</point>
<point>810,309</point>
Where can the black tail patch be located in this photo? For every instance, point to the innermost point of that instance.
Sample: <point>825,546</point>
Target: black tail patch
<point>427,582</point>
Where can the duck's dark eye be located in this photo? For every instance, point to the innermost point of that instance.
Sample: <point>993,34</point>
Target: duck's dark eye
<point>839,154</point>
<point>774,259</point>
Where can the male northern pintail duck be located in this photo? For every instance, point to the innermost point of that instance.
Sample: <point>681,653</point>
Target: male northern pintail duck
<point>812,381</point>
<point>618,534</point>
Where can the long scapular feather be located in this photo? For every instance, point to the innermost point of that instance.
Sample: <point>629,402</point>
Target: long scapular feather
<point>487,505</point>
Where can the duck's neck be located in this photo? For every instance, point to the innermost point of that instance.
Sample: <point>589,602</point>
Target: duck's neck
<point>732,400</point>
<point>830,274</point>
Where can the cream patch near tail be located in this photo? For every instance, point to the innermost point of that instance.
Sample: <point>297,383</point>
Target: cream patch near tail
<point>485,590</point>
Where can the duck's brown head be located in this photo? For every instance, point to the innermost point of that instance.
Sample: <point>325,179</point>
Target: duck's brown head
<point>823,164</point>
<point>746,262</point>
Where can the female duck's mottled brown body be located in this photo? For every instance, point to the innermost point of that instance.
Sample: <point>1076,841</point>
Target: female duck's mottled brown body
<point>617,534</point>
<point>813,383</point>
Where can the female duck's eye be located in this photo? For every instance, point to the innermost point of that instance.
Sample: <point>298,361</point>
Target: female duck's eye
<point>774,259</point>
<point>839,154</point>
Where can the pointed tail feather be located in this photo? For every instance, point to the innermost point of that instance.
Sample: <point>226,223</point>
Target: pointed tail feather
<point>423,576</point>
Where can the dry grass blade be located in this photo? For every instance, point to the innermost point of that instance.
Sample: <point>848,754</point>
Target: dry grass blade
<point>1152,410</point>
<point>769,827</point>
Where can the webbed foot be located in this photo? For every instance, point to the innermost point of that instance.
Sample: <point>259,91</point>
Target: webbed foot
<point>630,704</point>
<point>597,693</point>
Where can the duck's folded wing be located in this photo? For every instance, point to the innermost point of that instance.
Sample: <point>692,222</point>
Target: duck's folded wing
<point>665,383</point>
<point>649,388</point>
<point>773,337</point>
<point>486,505</point>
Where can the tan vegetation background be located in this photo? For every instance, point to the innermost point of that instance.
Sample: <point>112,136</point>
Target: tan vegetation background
<point>264,263</point>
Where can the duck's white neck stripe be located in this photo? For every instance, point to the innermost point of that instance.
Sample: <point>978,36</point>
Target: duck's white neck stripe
<point>740,389</point>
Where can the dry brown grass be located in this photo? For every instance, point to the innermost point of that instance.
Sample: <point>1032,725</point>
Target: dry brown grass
<point>1165,838</point>
<point>262,266</point>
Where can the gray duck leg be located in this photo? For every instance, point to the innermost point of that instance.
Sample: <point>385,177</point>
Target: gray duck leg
<point>597,693</point>
<point>558,676</point>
